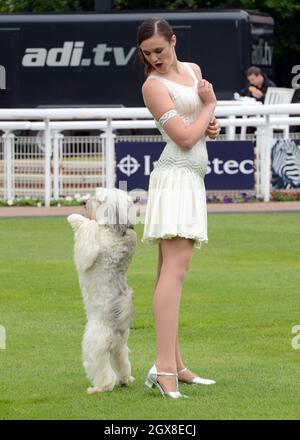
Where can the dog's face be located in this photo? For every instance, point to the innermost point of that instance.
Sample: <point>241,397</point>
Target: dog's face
<point>113,208</point>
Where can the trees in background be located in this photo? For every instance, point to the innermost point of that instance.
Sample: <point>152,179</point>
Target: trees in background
<point>46,5</point>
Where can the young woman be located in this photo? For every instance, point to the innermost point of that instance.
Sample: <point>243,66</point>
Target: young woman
<point>182,104</point>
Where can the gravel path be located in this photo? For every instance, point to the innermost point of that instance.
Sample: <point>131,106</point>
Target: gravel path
<point>28,211</point>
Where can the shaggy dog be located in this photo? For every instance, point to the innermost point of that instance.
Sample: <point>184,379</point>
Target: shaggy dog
<point>104,245</point>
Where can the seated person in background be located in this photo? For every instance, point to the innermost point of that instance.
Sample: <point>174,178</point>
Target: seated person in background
<point>258,83</point>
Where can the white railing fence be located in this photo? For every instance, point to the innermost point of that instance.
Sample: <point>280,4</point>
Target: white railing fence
<point>77,165</point>
<point>52,165</point>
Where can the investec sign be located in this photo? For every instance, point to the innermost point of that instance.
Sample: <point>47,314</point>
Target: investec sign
<point>71,55</point>
<point>230,166</point>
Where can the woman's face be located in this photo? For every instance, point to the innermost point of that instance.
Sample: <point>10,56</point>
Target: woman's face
<point>159,52</point>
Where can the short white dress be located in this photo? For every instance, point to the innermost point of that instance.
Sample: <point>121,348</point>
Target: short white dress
<point>176,205</point>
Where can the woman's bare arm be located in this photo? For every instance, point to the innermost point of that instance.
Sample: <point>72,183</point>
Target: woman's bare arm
<point>158,101</point>
<point>214,127</point>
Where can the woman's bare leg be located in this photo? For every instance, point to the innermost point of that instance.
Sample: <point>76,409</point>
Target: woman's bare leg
<point>188,375</point>
<point>159,264</point>
<point>176,255</point>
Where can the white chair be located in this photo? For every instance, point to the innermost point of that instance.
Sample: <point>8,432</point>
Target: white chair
<point>280,95</point>
<point>276,95</point>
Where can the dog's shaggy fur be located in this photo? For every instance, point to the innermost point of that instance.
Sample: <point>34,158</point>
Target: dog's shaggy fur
<point>104,245</point>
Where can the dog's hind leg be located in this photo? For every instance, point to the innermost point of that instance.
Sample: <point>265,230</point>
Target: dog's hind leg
<point>96,346</point>
<point>120,360</point>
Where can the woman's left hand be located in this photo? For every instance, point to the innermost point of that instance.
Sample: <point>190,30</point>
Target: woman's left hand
<point>213,129</point>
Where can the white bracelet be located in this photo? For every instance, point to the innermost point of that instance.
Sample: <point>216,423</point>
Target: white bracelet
<point>166,116</point>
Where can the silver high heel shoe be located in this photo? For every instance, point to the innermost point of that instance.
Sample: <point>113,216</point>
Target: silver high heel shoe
<point>197,380</point>
<point>151,380</point>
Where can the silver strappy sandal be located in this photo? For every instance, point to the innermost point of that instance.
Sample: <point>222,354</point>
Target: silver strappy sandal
<point>151,381</point>
<point>197,380</point>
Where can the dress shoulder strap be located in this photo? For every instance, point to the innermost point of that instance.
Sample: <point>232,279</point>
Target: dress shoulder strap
<point>191,70</point>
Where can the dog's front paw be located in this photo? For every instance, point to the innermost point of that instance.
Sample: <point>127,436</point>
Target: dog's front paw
<point>126,380</point>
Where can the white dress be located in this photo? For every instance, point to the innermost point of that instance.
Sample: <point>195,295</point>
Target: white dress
<point>176,205</point>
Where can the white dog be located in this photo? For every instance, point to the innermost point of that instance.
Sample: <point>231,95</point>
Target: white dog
<point>104,245</point>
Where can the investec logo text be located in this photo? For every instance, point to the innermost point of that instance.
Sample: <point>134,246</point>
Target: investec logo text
<point>71,55</point>
<point>129,165</point>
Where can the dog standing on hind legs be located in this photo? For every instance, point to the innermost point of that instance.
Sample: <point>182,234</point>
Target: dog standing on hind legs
<point>105,243</point>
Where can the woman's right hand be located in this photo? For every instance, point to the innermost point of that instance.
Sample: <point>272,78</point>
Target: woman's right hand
<point>206,92</point>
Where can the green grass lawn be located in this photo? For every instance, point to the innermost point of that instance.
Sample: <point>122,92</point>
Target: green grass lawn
<point>239,304</point>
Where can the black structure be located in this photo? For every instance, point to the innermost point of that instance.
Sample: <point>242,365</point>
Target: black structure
<point>90,59</point>
<point>103,6</point>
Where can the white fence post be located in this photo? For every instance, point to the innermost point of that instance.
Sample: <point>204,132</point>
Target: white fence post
<point>258,162</point>
<point>265,139</point>
<point>231,130</point>
<point>57,144</point>
<point>9,156</point>
<point>110,155</point>
<point>47,162</point>
<point>261,141</point>
<point>103,158</point>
